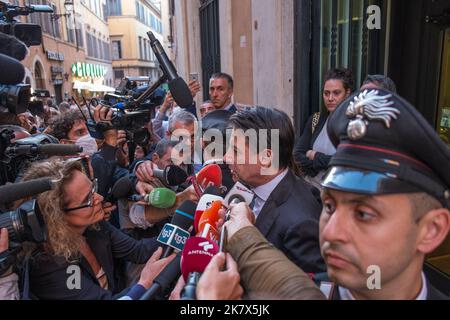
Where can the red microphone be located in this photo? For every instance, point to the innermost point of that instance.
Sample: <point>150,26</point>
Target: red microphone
<point>207,225</point>
<point>196,256</point>
<point>209,175</point>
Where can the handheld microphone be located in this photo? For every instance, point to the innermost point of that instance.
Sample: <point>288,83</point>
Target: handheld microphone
<point>17,191</point>
<point>209,175</point>
<point>171,176</point>
<point>12,71</point>
<point>208,222</point>
<point>44,149</point>
<point>170,273</point>
<point>161,198</point>
<point>196,256</point>
<point>174,234</point>
<point>122,188</point>
<point>178,87</point>
<point>239,191</point>
<point>211,194</point>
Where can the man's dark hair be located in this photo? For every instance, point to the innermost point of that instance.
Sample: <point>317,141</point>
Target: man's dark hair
<point>383,82</point>
<point>345,75</point>
<point>62,124</point>
<point>258,118</point>
<point>162,147</point>
<point>227,77</point>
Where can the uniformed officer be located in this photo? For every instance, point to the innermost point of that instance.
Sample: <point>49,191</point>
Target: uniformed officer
<point>385,206</point>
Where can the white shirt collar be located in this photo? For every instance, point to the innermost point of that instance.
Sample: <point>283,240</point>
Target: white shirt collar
<point>346,294</point>
<point>263,192</point>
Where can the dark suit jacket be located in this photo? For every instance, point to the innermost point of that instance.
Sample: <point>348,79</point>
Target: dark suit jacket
<point>233,109</point>
<point>305,143</point>
<point>290,221</point>
<point>49,274</point>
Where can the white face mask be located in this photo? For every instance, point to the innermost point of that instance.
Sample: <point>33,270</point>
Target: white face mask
<point>88,144</point>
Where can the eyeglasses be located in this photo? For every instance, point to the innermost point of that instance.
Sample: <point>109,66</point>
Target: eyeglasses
<point>90,202</point>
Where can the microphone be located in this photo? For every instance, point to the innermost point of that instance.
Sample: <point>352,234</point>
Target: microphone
<point>211,194</point>
<point>122,188</point>
<point>171,176</point>
<point>209,175</point>
<point>239,191</point>
<point>196,256</point>
<point>208,222</point>
<point>178,87</point>
<point>44,149</point>
<point>174,234</point>
<point>170,273</point>
<point>161,198</point>
<point>17,191</point>
<point>12,71</point>
<point>14,48</point>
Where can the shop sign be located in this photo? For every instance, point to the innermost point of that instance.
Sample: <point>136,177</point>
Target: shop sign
<point>88,70</point>
<point>57,56</point>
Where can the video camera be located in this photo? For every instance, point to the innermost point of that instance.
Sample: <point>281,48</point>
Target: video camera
<point>28,33</point>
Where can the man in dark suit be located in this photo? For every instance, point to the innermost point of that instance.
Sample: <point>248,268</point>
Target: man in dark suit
<point>221,86</point>
<point>287,213</point>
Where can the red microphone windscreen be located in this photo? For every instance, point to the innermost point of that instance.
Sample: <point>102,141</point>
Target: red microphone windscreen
<point>197,254</point>
<point>210,174</point>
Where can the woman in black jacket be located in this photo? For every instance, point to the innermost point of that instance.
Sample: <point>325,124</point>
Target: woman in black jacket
<point>77,260</point>
<point>313,151</point>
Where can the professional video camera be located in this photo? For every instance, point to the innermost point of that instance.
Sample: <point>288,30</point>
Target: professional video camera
<point>28,33</point>
<point>16,157</point>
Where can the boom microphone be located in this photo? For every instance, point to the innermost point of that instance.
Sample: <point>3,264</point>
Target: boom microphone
<point>44,149</point>
<point>21,190</point>
<point>196,256</point>
<point>12,72</point>
<point>178,87</point>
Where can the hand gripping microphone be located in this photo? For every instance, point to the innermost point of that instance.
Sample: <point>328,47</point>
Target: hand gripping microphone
<point>161,198</point>
<point>196,256</point>
<point>211,194</point>
<point>208,222</point>
<point>178,87</point>
<point>175,234</point>
<point>209,175</point>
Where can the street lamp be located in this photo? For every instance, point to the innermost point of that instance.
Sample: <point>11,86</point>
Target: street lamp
<point>68,5</point>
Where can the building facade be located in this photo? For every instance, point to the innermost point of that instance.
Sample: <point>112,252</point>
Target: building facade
<point>64,64</point>
<point>129,22</point>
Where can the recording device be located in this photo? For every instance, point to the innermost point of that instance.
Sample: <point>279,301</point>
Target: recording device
<point>12,72</point>
<point>30,34</point>
<point>171,176</point>
<point>207,224</point>
<point>210,195</point>
<point>239,191</point>
<point>16,191</point>
<point>178,87</point>
<point>175,234</point>
<point>197,254</point>
<point>25,223</point>
<point>161,198</point>
<point>209,175</point>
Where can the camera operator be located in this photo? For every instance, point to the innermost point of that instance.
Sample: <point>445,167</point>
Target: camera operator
<point>9,289</point>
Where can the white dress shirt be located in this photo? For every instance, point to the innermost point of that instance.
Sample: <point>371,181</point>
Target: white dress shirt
<point>263,192</point>
<point>346,294</point>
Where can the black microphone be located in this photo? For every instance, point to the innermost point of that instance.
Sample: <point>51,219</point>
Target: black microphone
<point>171,176</point>
<point>170,273</point>
<point>13,47</point>
<point>122,188</point>
<point>11,71</point>
<point>44,149</point>
<point>182,219</point>
<point>17,191</point>
<point>178,87</point>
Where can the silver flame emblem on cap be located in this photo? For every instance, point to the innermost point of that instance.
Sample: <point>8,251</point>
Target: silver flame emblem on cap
<point>366,107</point>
